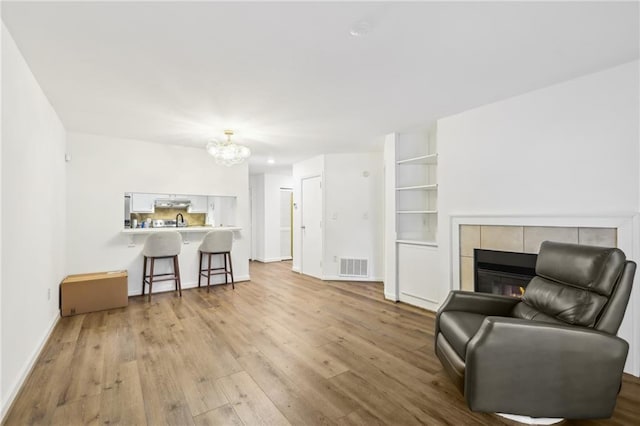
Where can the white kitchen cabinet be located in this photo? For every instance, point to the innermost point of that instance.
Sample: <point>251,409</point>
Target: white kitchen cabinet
<point>143,203</point>
<point>198,203</point>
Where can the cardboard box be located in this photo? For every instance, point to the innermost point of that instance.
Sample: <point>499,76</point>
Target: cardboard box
<point>98,291</point>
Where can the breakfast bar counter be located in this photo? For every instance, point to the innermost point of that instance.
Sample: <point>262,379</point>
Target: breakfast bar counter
<point>188,229</point>
<point>131,257</point>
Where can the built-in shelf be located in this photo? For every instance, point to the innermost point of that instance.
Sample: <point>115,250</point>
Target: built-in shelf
<point>432,187</point>
<point>423,159</point>
<point>411,218</point>
<point>417,211</point>
<point>416,189</point>
<point>418,243</point>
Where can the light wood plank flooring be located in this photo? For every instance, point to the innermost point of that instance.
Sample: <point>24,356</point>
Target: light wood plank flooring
<point>281,349</point>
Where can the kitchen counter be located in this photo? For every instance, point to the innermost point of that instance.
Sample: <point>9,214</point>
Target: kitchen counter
<point>188,229</point>
<point>126,253</point>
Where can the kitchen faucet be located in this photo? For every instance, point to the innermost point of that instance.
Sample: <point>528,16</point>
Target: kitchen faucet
<point>181,219</point>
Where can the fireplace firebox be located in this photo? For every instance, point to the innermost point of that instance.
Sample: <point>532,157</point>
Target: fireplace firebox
<point>503,272</point>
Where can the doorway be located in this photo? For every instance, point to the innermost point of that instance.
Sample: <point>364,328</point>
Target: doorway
<point>311,228</point>
<point>286,218</point>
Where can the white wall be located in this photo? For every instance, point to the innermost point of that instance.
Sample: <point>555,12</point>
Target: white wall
<point>352,211</point>
<point>303,169</point>
<point>353,204</point>
<point>568,148</point>
<point>102,169</point>
<point>2,398</point>
<point>33,218</point>
<point>571,149</point>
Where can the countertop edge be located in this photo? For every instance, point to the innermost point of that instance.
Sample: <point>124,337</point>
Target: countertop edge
<point>188,229</point>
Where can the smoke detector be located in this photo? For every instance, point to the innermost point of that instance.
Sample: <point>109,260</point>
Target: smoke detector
<point>361,28</point>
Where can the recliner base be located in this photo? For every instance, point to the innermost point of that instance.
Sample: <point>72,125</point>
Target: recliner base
<point>530,420</point>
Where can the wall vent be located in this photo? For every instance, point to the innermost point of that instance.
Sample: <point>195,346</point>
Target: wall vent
<point>354,267</point>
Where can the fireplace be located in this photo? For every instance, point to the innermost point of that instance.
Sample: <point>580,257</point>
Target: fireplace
<point>502,272</point>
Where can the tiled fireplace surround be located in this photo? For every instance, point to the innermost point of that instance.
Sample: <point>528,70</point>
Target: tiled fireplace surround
<point>525,233</point>
<point>522,239</point>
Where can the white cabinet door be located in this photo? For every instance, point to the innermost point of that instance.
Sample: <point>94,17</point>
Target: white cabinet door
<point>143,203</point>
<point>419,277</point>
<point>198,203</point>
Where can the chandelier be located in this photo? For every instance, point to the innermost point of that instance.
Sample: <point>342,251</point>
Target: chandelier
<point>227,152</point>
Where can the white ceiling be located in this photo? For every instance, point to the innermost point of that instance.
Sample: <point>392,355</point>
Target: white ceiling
<point>290,79</point>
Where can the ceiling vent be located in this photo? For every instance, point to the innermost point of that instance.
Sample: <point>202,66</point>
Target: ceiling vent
<point>350,267</point>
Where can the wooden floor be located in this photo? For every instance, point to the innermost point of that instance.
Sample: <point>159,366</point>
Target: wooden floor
<point>281,349</point>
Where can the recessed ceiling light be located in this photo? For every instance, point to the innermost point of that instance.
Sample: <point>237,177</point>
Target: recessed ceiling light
<point>361,28</point>
<point>271,160</point>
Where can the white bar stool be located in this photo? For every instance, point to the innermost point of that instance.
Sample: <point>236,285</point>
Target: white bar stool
<point>162,245</point>
<point>216,243</point>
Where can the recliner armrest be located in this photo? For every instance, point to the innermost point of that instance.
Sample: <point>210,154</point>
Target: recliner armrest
<point>570,371</point>
<point>477,303</point>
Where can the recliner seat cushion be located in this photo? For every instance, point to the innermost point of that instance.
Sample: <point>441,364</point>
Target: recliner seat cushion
<point>459,328</point>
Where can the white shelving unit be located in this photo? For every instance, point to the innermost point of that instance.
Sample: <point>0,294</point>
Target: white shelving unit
<point>416,188</point>
<point>411,255</point>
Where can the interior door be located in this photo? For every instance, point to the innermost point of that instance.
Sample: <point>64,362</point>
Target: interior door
<point>311,231</point>
<point>286,248</point>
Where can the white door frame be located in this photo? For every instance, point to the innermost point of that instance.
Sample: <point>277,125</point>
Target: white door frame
<point>252,229</point>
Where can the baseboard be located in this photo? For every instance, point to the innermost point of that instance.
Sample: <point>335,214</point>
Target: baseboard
<point>391,296</point>
<point>420,302</point>
<point>26,370</point>
<point>339,278</point>
<point>295,269</point>
<point>268,260</point>
<point>170,286</point>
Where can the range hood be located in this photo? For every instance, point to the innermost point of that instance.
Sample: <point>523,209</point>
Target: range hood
<point>172,203</point>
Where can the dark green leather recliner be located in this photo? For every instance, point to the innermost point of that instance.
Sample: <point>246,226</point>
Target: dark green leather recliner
<point>552,354</point>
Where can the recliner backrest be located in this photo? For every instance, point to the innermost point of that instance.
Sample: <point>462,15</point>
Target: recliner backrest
<point>574,285</point>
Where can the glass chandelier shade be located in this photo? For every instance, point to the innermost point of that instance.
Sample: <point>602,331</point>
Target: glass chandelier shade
<point>227,152</point>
